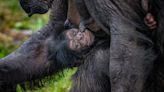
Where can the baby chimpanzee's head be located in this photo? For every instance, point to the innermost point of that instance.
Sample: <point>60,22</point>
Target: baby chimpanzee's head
<point>69,47</point>
<point>78,41</point>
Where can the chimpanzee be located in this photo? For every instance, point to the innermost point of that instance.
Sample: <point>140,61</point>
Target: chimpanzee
<point>24,66</point>
<point>38,7</point>
<point>30,61</point>
<point>128,41</point>
<point>70,46</point>
<point>112,14</point>
<point>93,72</point>
<point>98,22</point>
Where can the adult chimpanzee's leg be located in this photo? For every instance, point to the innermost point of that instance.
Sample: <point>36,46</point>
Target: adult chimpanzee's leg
<point>131,59</point>
<point>132,53</point>
<point>30,61</point>
<point>92,76</point>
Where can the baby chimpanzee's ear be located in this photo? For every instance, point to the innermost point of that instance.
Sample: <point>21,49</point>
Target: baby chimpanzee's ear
<point>69,25</point>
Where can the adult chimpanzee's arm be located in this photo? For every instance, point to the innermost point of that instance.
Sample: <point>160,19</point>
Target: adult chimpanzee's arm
<point>30,60</point>
<point>73,14</point>
<point>86,21</point>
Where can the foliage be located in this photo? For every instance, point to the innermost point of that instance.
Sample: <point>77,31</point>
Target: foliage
<point>5,49</point>
<point>12,16</point>
<point>54,83</point>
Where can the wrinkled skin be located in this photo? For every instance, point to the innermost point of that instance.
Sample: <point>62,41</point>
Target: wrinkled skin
<point>70,47</point>
<point>79,41</point>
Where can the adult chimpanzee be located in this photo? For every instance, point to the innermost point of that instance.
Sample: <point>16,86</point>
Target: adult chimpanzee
<point>130,37</point>
<point>42,6</point>
<point>91,65</point>
<point>87,17</point>
<point>136,38</point>
<point>127,43</point>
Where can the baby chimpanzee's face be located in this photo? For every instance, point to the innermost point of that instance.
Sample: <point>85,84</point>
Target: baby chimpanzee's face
<point>77,40</point>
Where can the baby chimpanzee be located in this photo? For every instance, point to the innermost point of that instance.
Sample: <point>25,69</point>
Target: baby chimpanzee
<point>70,46</point>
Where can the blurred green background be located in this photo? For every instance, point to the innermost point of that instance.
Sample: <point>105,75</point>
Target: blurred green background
<point>16,27</point>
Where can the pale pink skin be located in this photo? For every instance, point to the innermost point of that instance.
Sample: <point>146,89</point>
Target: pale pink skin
<point>79,40</point>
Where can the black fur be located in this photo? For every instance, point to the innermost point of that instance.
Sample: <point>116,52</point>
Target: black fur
<point>92,76</point>
<point>158,10</point>
<point>59,51</point>
<point>132,52</point>
<point>35,6</point>
<point>127,64</point>
<point>30,61</point>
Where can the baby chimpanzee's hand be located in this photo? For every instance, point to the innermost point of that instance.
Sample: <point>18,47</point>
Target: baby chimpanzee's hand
<point>150,21</point>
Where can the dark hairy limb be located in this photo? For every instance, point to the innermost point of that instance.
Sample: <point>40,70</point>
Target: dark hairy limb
<point>86,21</point>
<point>43,6</point>
<point>30,60</point>
<point>92,76</point>
<point>73,14</point>
<point>129,69</point>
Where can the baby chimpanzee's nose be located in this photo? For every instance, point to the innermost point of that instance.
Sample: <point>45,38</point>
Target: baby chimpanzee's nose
<point>79,35</point>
